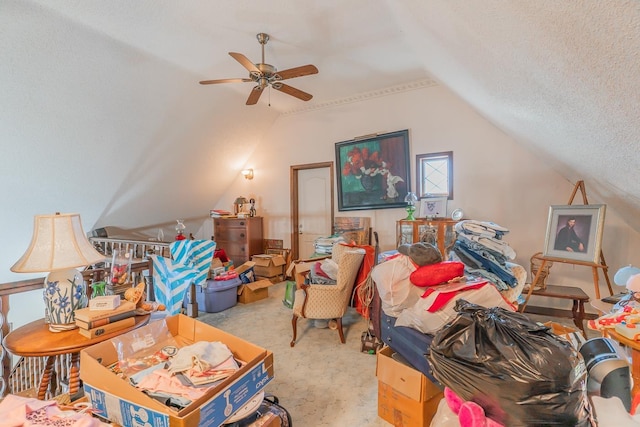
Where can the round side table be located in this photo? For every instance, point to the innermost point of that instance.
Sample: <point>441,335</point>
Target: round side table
<point>35,340</point>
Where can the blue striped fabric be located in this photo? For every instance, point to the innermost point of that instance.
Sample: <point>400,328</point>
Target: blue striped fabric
<point>171,280</point>
<point>197,254</point>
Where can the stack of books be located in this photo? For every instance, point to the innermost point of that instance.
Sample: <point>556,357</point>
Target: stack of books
<point>221,213</point>
<point>93,323</point>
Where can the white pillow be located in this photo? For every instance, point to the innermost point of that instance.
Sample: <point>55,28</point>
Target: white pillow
<point>330,268</point>
<point>395,289</point>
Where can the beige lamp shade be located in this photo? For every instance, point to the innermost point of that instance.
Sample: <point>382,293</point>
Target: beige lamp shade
<point>58,242</point>
<point>241,201</point>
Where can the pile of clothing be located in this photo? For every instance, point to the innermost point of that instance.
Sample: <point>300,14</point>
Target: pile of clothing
<point>420,290</point>
<point>18,411</point>
<point>324,272</point>
<point>479,246</point>
<point>178,376</point>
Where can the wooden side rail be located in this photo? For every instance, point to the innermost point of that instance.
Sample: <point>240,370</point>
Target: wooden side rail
<point>140,248</point>
<point>26,373</point>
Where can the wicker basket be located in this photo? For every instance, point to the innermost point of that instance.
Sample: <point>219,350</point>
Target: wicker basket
<point>536,262</point>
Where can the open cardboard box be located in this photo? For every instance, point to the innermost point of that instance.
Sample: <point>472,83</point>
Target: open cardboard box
<point>268,265</point>
<point>254,291</point>
<point>298,270</point>
<point>122,403</point>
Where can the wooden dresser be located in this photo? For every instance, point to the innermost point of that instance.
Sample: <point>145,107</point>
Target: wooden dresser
<point>239,237</point>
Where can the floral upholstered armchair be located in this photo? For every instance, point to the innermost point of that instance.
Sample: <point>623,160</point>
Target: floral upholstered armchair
<point>329,301</point>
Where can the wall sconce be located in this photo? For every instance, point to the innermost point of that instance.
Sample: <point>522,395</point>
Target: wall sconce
<point>247,173</point>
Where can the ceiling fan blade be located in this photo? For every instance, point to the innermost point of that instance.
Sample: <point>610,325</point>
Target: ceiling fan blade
<point>213,82</point>
<point>254,96</point>
<point>291,73</point>
<point>245,62</point>
<point>289,90</point>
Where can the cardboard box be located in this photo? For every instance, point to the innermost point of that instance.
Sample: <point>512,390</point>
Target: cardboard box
<point>268,265</point>
<point>254,291</point>
<point>274,280</point>
<point>405,396</point>
<point>122,403</point>
<point>298,270</point>
<point>246,273</point>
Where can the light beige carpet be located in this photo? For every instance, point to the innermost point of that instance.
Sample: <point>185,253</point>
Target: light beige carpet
<point>320,381</point>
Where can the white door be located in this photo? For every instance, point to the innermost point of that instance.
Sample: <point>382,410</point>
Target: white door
<point>314,207</point>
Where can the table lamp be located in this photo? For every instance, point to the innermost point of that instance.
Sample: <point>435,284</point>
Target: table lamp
<point>59,246</point>
<point>411,200</point>
<point>238,204</point>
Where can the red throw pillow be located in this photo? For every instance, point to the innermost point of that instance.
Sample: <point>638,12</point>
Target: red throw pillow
<point>435,274</point>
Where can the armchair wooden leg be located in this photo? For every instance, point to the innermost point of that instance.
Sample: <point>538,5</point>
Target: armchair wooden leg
<point>294,324</point>
<point>339,321</point>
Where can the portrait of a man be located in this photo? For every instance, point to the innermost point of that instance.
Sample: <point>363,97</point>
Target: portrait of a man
<point>573,233</point>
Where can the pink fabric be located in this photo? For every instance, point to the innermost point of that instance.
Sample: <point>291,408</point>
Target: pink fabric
<point>161,380</point>
<point>317,268</point>
<point>470,414</point>
<point>17,411</point>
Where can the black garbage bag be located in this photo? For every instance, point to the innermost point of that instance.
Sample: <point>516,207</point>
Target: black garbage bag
<point>516,369</point>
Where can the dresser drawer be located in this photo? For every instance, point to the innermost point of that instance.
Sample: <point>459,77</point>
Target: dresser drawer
<point>231,234</point>
<point>239,237</point>
<point>230,223</point>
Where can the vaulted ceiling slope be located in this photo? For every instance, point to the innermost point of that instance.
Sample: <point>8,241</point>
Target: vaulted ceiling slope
<point>560,77</point>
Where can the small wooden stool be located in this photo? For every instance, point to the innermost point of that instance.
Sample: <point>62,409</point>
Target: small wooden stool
<point>576,313</point>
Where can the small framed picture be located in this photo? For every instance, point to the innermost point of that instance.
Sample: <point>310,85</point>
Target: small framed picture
<point>575,232</point>
<point>433,207</point>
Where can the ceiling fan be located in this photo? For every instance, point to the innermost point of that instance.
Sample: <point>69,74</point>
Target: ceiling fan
<point>267,75</point>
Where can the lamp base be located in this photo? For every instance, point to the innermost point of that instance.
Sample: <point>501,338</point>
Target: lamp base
<point>64,293</point>
<point>410,210</point>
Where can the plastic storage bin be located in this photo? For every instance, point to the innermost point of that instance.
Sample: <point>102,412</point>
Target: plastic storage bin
<point>217,296</point>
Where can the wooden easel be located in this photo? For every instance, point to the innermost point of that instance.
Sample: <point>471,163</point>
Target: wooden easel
<point>594,266</point>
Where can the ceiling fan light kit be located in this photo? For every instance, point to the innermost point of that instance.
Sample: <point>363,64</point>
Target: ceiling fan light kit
<point>266,75</point>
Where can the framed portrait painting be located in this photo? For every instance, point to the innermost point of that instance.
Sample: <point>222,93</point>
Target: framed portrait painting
<point>373,173</point>
<point>575,232</point>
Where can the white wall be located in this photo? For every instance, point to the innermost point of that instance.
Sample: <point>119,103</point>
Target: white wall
<point>495,178</point>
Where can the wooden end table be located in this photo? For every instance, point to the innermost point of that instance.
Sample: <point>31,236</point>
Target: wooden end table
<point>36,340</point>
<point>575,294</point>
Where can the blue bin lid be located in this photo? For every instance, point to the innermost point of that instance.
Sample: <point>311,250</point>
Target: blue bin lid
<point>222,285</point>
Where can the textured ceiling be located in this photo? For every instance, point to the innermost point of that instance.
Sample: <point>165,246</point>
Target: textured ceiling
<point>560,77</point>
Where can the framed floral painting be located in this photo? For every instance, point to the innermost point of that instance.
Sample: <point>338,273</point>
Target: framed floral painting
<point>373,173</point>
